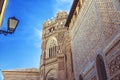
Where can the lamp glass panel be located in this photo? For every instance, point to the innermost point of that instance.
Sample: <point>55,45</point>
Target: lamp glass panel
<point>12,23</point>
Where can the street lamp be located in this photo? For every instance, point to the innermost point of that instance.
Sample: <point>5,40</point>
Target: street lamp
<point>11,26</point>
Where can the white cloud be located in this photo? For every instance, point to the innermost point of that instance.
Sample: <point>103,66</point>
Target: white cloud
<point>38,32</point>
<point>68,1</point>
<point>37,37</point>
<point>62,5</point>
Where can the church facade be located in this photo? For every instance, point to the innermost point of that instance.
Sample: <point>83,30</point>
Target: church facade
<point>81,45</point>
<point>53,58</point>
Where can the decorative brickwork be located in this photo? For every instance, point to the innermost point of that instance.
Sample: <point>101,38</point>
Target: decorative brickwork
<point>117,77</point>
<point>94,78</point>
<point>114,66</point>
<point>61,36</point>
<point>109,19</point>
<point>61,65</point>
<point>95,30</point>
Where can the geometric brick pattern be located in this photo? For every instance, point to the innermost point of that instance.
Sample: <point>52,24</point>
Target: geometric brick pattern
<point>95,30</point>
<point>94,78</point>
<point>117,77</point>
<point>114,66</point>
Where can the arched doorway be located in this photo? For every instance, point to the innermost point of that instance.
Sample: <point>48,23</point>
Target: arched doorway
<point>101,68</point>
<point>51,74</point>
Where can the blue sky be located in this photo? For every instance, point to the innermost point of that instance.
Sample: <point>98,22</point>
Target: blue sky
<point>23,48</point>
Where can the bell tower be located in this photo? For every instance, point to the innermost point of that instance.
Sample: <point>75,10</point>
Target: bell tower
<point>52,66</point>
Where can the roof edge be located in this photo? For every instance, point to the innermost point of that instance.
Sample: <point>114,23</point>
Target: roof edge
<point>71,12</point>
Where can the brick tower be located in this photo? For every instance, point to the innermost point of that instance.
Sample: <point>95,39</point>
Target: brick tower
<point>52,66</point>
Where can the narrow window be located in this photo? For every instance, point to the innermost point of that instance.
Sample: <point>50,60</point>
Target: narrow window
<point>101,68</point>
<point>49,52</point>
<point>55,50</point>
<point>52,52</point>
<point>50,30</point>
<point>53,28</point>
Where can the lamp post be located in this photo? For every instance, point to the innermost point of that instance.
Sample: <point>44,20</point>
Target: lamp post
<point>11,26</point>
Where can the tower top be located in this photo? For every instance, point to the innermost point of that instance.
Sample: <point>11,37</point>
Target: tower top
<point>60,15</point>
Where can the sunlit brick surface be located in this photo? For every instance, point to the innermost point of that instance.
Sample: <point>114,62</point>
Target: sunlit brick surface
<point>95,30</point>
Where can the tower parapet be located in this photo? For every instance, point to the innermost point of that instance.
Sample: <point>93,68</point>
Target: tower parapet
<point>50,26</point>
<point>59,16</point>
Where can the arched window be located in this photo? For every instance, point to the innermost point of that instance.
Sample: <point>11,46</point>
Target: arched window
<point>52,51</point>
<point>51,47</point>
<point>101,68</point>
<point>80,77</point>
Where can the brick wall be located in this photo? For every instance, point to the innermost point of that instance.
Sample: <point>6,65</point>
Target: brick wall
<point>97,25</point>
